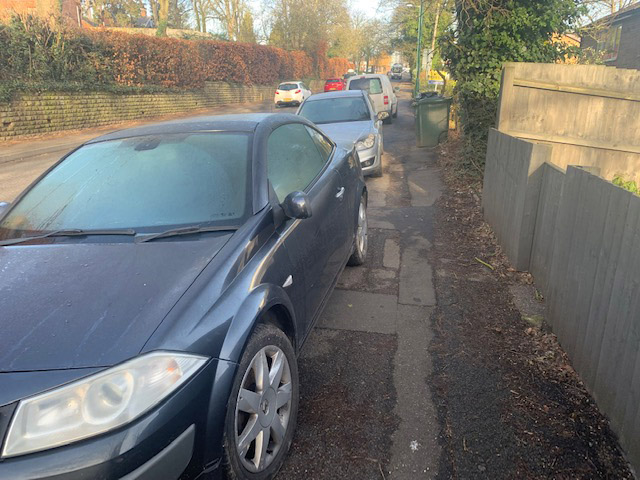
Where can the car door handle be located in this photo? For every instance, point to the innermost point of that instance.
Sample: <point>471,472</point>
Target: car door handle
<point>340,193</point>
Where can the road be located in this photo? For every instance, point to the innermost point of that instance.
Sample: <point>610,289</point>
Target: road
<point>366,408</point>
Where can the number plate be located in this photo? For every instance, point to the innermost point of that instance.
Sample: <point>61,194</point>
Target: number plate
<point>287,99</point>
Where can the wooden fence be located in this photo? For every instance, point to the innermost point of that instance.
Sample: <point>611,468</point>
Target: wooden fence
<point>561,129</point>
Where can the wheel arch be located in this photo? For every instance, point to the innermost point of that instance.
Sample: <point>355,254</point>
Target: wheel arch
<point>267,303</point>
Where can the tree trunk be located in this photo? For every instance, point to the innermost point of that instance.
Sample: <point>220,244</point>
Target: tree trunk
<point>163,18</point>
<point>433,40</point>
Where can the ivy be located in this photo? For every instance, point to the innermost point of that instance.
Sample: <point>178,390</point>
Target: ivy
<point>487,34</point>
<point>629,185</point>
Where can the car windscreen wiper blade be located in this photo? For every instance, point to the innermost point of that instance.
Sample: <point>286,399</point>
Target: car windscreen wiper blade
<point>186,231</point>
<point>75,232</point>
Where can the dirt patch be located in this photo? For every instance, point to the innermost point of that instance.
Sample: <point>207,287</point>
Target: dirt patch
<point>510,402</point>
<point>346,414</point>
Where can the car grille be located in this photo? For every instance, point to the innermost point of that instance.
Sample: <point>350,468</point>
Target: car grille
<point>5,416</point>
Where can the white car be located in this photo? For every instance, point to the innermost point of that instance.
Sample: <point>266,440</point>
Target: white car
<point>381,92</point>
<point>291,93</point>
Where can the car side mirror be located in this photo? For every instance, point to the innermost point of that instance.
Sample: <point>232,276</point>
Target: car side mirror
<point>382,115</point>
<point>396,89</point>
<point>297,205</point>
<point>3,207</point>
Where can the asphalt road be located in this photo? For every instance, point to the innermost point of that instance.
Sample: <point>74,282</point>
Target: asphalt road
<point>366,408</point>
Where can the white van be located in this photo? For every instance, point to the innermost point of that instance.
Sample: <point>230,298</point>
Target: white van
<point>380,90</point>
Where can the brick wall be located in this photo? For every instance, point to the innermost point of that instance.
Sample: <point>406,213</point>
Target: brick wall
<point>40,113</point>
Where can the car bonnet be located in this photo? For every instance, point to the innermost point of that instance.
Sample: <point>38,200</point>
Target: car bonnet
<point>346,134</point>
<point>89,305</point>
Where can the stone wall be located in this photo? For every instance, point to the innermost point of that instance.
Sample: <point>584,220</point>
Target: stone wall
<point>41,113</point>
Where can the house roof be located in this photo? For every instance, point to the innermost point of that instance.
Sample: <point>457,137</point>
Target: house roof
<point>615,17</point>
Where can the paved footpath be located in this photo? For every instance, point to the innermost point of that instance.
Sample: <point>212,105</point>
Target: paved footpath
<point>366,407</point>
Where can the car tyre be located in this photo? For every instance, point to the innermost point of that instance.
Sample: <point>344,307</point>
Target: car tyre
<point>395,115</point>
<point>361,241</point>
<point>267,360</point>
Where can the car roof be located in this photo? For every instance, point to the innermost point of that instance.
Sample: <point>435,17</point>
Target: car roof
<point>336,94</point>
<point>231,123</point>
<point>367,75</point>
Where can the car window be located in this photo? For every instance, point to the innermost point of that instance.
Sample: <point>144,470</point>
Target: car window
<point>288,86</point>
<point>293,159</point>
<point>324,146</point>
<point>140,182</point>
<point>336,110</point>
<point>371,85</point>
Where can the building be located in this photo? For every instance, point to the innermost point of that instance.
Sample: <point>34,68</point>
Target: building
<point>617,38</point>
<point>71,12</point>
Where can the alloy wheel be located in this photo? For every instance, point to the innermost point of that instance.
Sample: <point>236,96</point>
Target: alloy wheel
<point>361,234</point>
<point>263,409</point>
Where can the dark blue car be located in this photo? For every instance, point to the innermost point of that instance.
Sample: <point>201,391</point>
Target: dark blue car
<point>156,286</point>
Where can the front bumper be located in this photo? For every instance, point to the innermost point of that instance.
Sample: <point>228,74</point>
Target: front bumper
<point>370,159</point>
<point>177,439</point>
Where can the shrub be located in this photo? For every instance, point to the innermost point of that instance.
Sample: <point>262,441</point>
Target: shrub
<point>32,50</point>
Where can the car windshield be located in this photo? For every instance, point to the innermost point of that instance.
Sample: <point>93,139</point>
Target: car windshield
<point>336,110</point>
<point>371,85</point>
<point>146,183</point>
<point>288,86</point>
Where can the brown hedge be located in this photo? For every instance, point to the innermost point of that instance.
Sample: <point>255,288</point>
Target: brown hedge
<point>170,62</point>
<point>33,50</point>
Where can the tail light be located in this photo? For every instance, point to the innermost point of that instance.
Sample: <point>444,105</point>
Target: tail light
<point>386,100</point>
<point>298,91</point>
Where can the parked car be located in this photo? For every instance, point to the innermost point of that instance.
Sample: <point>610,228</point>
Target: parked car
<point>291,93</point>
<point>334,84</point>
<point>349,119</point>
<point>157,285</point>
<point>380,91</point>
<point>396,71</point>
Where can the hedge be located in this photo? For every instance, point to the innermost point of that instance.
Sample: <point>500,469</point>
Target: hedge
<point>34,51</point>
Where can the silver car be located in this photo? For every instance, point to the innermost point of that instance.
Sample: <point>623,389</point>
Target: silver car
<point>349,118</point>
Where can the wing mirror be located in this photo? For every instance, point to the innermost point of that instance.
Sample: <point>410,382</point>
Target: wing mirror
<point>297,205</point>
<point>3,207</point>
<point>383,115</point>
<point>396,89</point>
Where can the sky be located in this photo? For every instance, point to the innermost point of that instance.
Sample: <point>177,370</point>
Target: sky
<point>368,7</point>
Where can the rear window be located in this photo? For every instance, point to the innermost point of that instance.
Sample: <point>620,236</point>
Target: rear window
<point>288,86</point>
<point>336,110</point>
<point>371,85</point>
<point>334,80</point>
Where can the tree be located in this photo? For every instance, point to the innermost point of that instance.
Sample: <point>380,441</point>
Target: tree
<point>230,14</point>
<point>488,33</point>
<point>246,31</point>
<point>304,24</point>
<point>162,18</point>
<point>118,13</point>
<point>178,14</point>
<point>438,17</point>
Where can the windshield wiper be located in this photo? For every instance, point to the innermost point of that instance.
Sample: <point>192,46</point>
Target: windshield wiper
<point>185,231</point>
<point>67,233</point>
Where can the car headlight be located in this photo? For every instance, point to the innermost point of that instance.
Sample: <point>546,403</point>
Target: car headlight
<point>367,142</point>
<point>98,403</point>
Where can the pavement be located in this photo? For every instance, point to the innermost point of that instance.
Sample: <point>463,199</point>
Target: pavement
<point>366,408</point>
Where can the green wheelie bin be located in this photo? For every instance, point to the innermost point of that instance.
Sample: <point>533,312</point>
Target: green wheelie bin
<point>432,119</point>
